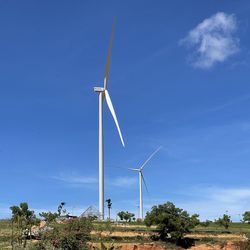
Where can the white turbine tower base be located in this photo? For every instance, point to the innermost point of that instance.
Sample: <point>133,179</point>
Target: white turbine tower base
<point>104,95</point>
<point>141,179</point>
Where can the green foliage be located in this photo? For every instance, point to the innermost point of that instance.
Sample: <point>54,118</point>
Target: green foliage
<point>61,210</point>
<point>109,204</point>
<point>71,235</point>
<point>246,217</point>
<point>121,215</point>
<point>23,219</point>
<point>172,222</point>
<point>23,214</point>
<point>38,246</point>
<point>49,216</point>
<point>127,216</point>
<point>103,226</point>
<point>195,220</point>
<point>224,221</point>
<point>205,223</point>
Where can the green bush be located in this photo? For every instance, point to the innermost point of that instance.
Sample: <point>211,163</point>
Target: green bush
<point>172,222</point>
<point>71,235</point>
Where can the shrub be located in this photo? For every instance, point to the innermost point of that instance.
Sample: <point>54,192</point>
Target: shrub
<point>71,235</point>
<point>172,222</point>
<point>224,221</point>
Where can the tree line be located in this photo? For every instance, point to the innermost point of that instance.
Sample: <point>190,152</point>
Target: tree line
<point>172,224</point>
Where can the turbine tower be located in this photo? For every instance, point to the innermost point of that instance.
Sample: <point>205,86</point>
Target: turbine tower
<point>104,95</point>
<point>141,179</point>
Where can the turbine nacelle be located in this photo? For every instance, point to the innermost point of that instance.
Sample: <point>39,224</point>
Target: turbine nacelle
<point>99,89</point>
<point>135,169</point>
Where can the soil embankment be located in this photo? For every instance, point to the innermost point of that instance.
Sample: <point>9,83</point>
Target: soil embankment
<point>230,245</point>
<point>214,242</point>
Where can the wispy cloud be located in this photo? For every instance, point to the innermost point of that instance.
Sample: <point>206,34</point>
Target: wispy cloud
<point>229,195</point>
<point>78,181</point>
<point>232,102</point>
<point>123,181</point>
<point>213,40</point>
<point>71,179</point>
<point>212,202</point>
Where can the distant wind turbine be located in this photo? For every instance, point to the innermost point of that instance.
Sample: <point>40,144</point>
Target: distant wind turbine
<point>141,179</point>
<point>104,95</point>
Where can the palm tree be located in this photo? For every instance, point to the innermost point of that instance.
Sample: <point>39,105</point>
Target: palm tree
<point>109,204</point>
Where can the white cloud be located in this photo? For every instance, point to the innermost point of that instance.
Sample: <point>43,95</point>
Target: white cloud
<point>212,202</point>
<point>123,181</point>
<point>213,40</point>
<point>70,179</point>
<point>231,195</point>
<point>78,181</point>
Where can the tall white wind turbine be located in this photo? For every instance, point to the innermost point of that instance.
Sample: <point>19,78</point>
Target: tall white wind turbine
<point>104,95</point>
<point>141,179</point>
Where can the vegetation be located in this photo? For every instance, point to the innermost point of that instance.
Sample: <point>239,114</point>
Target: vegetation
<point>246,217</point>
<point>215,228</point>
<point>24,220</point>
<point>132,227</point>
<point>49,216</point>
<point>195,220</point>
<point>109,204</point>
<point>224,221</point>
<point>166,222</point>
<point>205,223</point>
<point>126,216</point>
<point>71,235</point>
<point>104,247</point>
<point>61,209</point>
<point>171,221</point>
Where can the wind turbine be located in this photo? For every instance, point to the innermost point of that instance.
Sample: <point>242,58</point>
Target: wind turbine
<point>104,95</point>
<point>141,179</point>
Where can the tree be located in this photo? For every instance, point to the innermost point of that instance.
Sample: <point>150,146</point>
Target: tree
<point>125,216</point>
<point>172,222</point>
<point>195,219</point>
<point>128,216</point>
<point>205,223</point>
<point>121,215</point>
<point>61,210</point>
<point>49,216</point>
<point>246,217</point>
<point>25,219</point>
<point>224,221</point>
<point>109,204</point>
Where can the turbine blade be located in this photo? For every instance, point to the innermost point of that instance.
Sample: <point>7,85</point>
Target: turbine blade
<point>111,108</point>
<point>144,183</point>
<point>134,169</point>
<point>107,65</point>
<point>150,157</point>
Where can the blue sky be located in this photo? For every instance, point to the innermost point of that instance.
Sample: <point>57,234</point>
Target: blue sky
<point>179,78</point>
